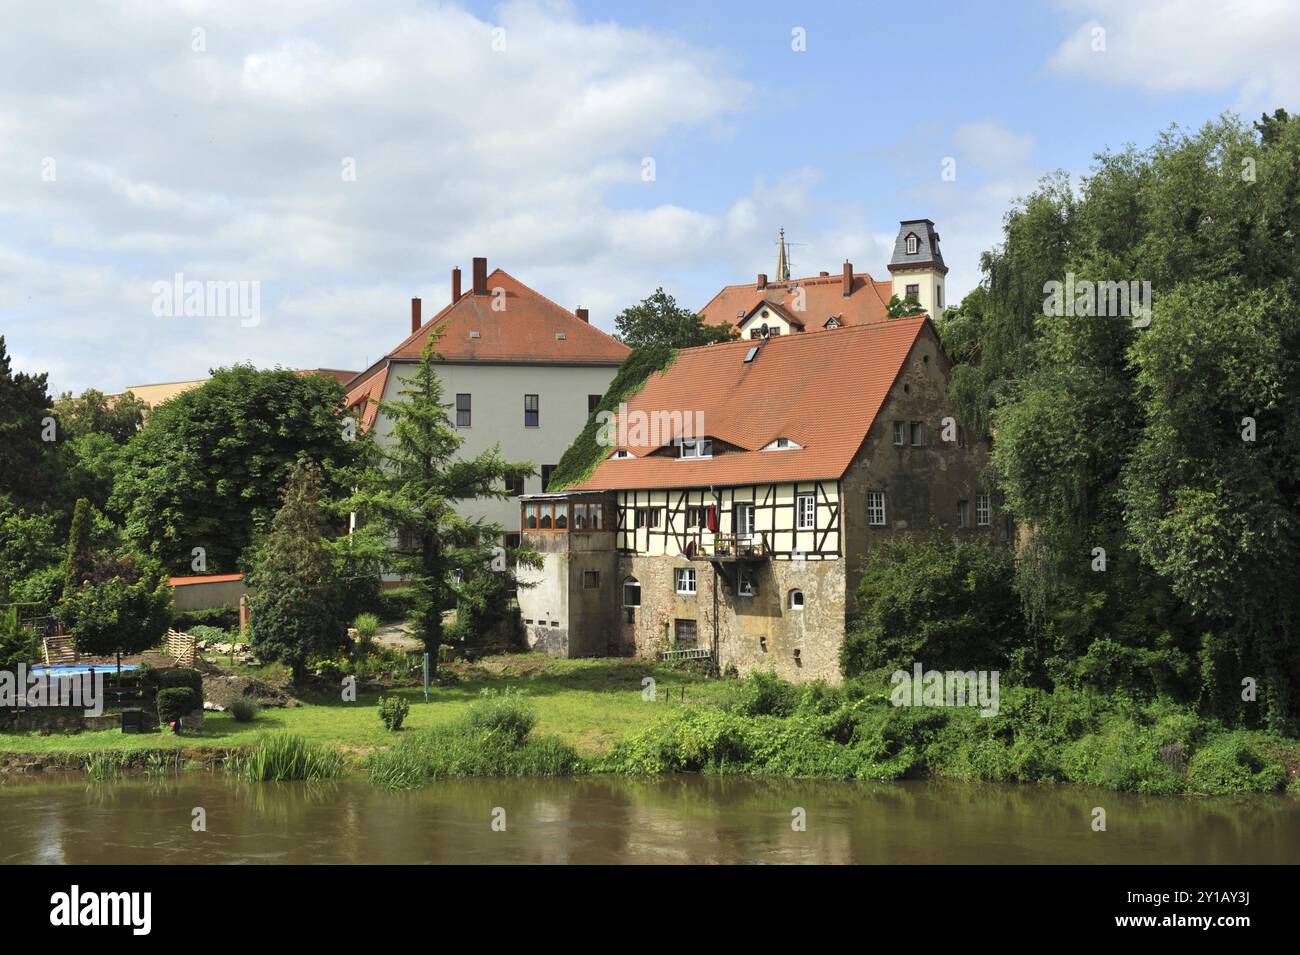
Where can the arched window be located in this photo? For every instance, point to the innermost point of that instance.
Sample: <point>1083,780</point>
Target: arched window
<point>796,599</point>
<point>631,592</point>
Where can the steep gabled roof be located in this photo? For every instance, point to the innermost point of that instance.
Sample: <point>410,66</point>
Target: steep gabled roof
<point>527,329</point>
<point>822,391</point>
<point>867,301</point>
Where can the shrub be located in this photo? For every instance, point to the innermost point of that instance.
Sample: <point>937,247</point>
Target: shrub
<point>175,702</point>
<point>244,709</point>
<point>222,618</point>
<point>182,677</point>
<point>504,714</point>
<point>396,604</point>
<point>1229,763</point>
<point>210,634</point>
<point>392,711</point>
<point>279,757</point>
<point>763,694</point>
<point>18,644</point>
<point>366,625</point>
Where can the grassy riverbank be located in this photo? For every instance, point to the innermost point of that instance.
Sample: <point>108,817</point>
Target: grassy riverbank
<point>565,717</point>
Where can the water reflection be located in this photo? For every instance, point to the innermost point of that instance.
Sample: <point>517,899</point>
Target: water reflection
<point>681,819</point>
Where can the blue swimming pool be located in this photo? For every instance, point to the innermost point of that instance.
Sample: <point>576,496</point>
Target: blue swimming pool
<point>66,669</point>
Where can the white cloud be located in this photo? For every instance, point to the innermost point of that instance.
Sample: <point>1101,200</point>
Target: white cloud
<point>1248,47</point>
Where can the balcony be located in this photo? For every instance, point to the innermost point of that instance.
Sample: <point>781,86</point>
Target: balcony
<point>728,548</point>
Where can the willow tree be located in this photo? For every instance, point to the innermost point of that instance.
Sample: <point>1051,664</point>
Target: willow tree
<point>414,494</point>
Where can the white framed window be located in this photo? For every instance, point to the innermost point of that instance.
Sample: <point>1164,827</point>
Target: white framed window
<point>900,433</point>
<point>911,245</point>
<point>647,517</point>
<point>685,580</point>
<point>631,592</point>
<point>744,515</point>
<point>876,508</point>
<point>796,599</point>
<point>982,514</point>
<point>695,447</point>
<point>805,509</point>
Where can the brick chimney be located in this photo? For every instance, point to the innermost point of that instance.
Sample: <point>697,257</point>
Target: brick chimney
<point>455,284</point>
<point>480,275</point>
<point>848,278</point>
<point>415,315</point>
<point>582,315</point>
<point>762,281</point>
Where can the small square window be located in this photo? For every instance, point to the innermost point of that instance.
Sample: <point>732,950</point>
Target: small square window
<point>591,580</point>
<point>515,486</point>
<point>686,634</point>
<point>746,586</point>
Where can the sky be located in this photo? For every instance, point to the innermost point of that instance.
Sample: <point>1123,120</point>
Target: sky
<point>340,158</point>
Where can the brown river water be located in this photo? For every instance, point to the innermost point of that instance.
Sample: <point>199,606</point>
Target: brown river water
<point>679,819</point>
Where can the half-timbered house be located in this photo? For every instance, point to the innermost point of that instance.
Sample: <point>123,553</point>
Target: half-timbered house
<point>744,539</point>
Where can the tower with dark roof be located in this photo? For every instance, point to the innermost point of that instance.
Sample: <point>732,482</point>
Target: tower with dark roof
<point>917,268</point>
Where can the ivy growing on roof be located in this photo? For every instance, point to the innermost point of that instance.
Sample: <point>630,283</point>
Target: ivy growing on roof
<point>585,453</point>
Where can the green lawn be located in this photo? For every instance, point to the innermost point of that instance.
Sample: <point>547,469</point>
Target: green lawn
<point>590,704</point>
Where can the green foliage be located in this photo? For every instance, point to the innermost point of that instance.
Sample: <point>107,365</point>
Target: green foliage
<point>285,757</point>
<point>293,606</point>
<point>903,307</point>
<point>763,694</point>
<point>412,496</point>
<point>244,709</point>
<point>393,711</point>
<point>1231,764</point>
<point>124,607</point>
<point>591,446</point>
<point>18,644</point>
<point>395,604</point>
<point>946,603</point>
<point>210,464</point>
<point>28,463</point>
<point>506,714</point>
<point>80,559</point>
<point>366,625</point>
<point>220,618</point>
<point>657,321</point>
<point>1131,440</point>
<point>93,413</point>
<point>175,702</point>
<point>493,739</point>
<point>31,557</point>
<point>186,677</point>
<point>210,634</point>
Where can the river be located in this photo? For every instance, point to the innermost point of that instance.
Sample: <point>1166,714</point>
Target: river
<point>681,819</point>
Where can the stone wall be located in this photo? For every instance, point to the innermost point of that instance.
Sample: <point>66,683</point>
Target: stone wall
<point>760,632</point>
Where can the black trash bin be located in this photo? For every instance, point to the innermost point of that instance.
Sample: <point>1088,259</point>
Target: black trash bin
<point>132,720</point>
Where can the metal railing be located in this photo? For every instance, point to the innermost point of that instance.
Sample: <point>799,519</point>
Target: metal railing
<point>754,545</point>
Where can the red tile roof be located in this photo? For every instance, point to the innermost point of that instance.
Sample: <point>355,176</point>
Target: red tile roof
<point>208,579</point>
<point>822,391</point>
<point>531,329</point>
<point>526,330</point>
<point>823,298</point>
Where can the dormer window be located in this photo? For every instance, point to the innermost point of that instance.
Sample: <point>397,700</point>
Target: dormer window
<point>783,444</point>
<point>620,454</point>
<point>695,447</point>
<point>912,244</point>
<point>832,322</point>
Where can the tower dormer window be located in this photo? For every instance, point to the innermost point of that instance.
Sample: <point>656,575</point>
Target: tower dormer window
<point>912,244</point>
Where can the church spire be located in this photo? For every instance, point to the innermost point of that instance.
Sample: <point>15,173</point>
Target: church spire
<point>782,261</point>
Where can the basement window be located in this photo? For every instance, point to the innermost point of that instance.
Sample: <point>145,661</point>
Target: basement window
<point>591,580</point>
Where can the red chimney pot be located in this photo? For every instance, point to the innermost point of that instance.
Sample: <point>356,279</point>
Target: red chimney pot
<point>848,279</point>
<point>762,281</point>
<point>415,315</point>
<point>480,275</point>
<point>455,284</point>
<point>582,315</point>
